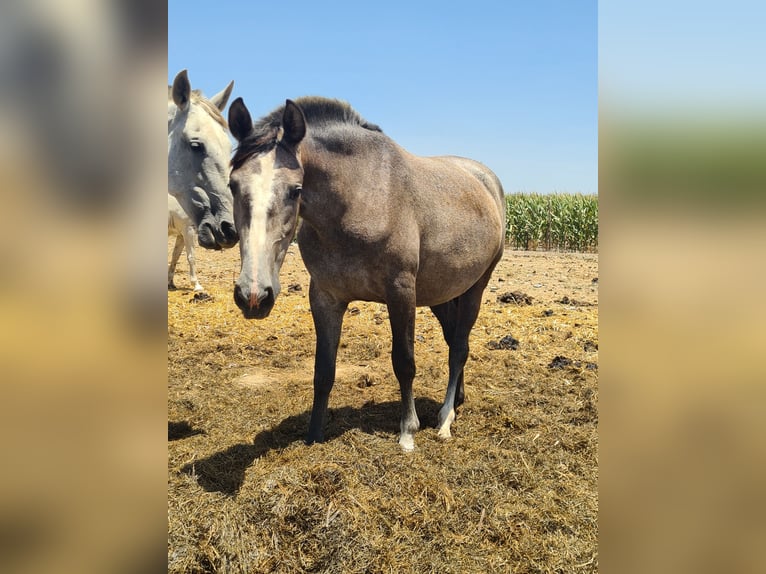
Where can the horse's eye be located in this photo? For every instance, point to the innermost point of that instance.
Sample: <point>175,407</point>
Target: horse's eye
<point>294,192</point>
<point>197,146</point>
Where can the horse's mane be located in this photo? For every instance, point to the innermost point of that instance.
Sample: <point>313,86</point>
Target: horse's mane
<point>209,107</point>
<point>199,98</point>
<point>317,110</point>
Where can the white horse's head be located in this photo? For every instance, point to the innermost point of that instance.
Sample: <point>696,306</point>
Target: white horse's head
<point>199,151</point>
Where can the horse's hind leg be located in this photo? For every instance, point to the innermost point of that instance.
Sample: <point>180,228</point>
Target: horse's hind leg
<point>177,248</point>
<point>449,315</point>
<point>446,313</point>
<point>457,318</point>
<point>189,241</point>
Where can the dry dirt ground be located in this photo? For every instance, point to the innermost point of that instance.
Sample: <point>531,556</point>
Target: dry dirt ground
<point>514,490</point>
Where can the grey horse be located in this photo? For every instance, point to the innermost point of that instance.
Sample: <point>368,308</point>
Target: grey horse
<point>379,224</point>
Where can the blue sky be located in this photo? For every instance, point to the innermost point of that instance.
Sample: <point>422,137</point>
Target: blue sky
<point>512,84</point>
<point>683,55</point>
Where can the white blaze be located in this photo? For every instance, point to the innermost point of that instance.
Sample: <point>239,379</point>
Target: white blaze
<point>260,201</point>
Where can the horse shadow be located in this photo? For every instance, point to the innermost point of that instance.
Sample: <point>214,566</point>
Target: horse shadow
<point>182,429</point>
<point>224,471</point>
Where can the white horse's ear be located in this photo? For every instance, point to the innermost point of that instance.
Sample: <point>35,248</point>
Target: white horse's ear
<point>240,122</point>
<point>220,99</point>
<point>294,123</point>
<point>181,90</point>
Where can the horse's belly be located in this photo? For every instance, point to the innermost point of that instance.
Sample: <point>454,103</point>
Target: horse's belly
<point>345,278</point>
<point>439,285</point>
<point>440,275</point>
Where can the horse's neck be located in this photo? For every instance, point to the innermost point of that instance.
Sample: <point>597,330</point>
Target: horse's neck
<point>340,201</point>
<point>323,204</point>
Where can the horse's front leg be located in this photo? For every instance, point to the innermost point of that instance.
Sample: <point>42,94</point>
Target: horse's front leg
<point>327,313</point>
<point>401,312</point>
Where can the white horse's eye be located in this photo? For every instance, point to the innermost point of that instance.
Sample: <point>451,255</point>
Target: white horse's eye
<point>197,146</point>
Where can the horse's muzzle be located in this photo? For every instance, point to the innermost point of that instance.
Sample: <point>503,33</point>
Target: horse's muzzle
<point>218,238</point>
<point>252,305</point>
<point>206,237</point>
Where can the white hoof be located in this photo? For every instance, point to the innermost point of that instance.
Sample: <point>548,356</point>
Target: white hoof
<point>445,422</point>
<point>407,442</point>
<point>198,288</point>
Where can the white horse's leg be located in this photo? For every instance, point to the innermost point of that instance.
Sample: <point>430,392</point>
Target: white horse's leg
<point>174,260</point>
<point>189,241</point>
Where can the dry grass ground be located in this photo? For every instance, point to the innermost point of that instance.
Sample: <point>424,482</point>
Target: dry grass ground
<point>514,490</point>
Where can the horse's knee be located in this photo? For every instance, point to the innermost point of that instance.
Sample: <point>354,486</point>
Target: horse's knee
<point>403,361</point>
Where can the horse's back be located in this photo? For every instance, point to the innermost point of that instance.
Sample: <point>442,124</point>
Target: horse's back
<point>457,184</point>
<point>483,174</point>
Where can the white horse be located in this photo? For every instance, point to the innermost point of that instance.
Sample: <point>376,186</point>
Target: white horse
<point>199,151</point>
<point>182,227</point>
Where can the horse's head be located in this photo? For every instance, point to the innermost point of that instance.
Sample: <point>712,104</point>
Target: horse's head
<point>266,181</point>
<point>199,151</point>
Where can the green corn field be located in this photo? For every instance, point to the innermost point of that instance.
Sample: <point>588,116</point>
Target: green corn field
<point>559,221</point>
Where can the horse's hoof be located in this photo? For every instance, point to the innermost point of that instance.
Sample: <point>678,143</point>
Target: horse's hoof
<point>407,443</point>
<point>172,287</point>
<point>198,288</point>
<point>446,418</point>
<point>313,440</point>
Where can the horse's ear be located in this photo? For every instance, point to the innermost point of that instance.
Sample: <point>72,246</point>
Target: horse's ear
<point>293,123</point>
<point>240,122</point>
<point>181,90</point>
<point>219,100</point>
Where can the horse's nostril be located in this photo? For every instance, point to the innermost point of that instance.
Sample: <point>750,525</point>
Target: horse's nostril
<point>265,298</point>
<point>228,235</point>
<point>239,297</point>
<point>205,237</point>
<point>229,230</point>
